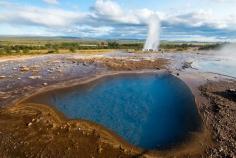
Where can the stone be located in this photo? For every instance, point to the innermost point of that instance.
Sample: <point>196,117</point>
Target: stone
<point>4,95</point>
<point>35,66</point>
<point>54,125</point>
<point>84,64</point>
<point>2,77</point>
<point>100,149</point>
<point>34,77</point>
<point>45,84</point>
<point>56,61</point>
<point>29,124</point>
<point>50,71</point>
<point>24,68</point>
<point>231,91</point>
<point>187,65</point>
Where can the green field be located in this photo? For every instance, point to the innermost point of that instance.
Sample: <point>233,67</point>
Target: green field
<point>47,45</point>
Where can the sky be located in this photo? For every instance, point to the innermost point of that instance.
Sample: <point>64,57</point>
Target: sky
<point>188,20</point>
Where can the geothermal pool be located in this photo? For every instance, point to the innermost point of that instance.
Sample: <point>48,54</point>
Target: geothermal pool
<point>150,111</point>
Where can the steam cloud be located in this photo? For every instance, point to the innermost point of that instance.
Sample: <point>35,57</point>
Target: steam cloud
<point>228,52</point>
<point>152,42</point>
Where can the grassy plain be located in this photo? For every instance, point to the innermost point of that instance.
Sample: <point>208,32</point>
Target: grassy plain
<point>54,45</point>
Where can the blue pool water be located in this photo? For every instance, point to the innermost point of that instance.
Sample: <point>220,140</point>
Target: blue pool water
<point>149,110</point>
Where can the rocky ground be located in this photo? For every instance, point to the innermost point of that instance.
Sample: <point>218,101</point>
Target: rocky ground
<point>18,77</point>
<point>38,131</point>
<point>219,114</point>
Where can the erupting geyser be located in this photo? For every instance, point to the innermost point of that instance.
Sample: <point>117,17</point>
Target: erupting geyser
<point>152,42</point>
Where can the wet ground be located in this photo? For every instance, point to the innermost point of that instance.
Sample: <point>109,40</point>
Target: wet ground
<point>18,77</point>
<point>23,76</point>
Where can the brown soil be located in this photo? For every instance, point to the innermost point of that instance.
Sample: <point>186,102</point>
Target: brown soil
<point>37,131</point>
<point>219,115</point>
<point>127,64</point>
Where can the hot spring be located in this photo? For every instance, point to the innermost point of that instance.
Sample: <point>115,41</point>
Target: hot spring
<point>151,111</point>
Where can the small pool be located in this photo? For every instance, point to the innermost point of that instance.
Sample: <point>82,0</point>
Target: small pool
<point>150,111</point>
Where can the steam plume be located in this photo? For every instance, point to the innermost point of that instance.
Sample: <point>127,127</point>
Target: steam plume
<point>152,42</point>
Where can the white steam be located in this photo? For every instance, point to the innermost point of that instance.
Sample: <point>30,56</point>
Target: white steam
<point>222,61</point>
<point>227,52</point>
<point>152,42</point>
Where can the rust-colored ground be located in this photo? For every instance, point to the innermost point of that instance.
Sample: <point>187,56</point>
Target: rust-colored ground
<point>37,131</point>
<point>219,115</point>
<point>127,64</point>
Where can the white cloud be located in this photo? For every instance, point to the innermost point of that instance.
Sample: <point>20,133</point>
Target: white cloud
<point>39,16</point>
<point>51,1</point>
<point>223,1</point>
<point>110,10</point>
<point>29,31</point>
<point>202,18</point>
<point>108,18</point>
<point>89,31</point>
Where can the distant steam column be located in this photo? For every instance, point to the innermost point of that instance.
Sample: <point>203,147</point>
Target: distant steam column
<point>152,42</point>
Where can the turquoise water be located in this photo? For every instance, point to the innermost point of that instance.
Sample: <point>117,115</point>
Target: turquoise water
<point>149,110</point>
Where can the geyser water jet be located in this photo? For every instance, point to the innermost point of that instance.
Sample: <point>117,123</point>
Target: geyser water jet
<point>152,42</point>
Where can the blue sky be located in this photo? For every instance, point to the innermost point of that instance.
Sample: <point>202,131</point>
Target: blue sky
<point>200,20</point>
